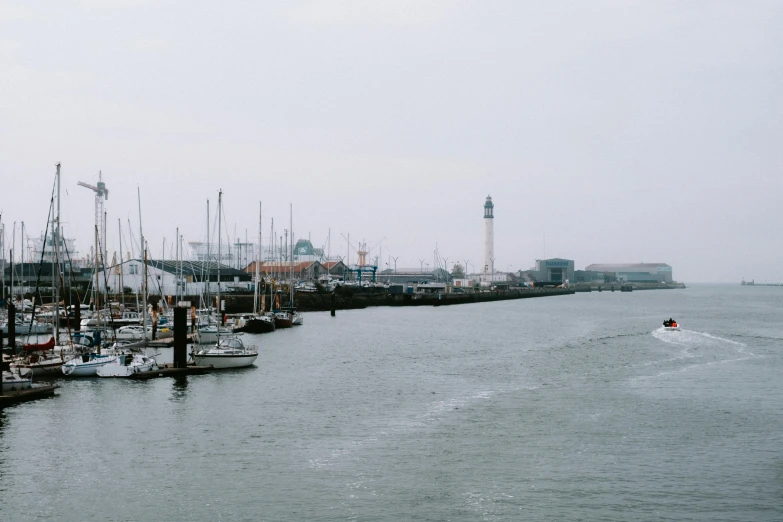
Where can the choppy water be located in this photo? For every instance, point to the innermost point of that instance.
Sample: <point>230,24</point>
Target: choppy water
<point>566,408</point>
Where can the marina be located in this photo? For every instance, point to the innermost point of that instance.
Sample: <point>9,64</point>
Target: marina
<point>416,412</point>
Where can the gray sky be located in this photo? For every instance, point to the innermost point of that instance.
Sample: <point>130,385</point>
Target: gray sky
<point>605,131</point>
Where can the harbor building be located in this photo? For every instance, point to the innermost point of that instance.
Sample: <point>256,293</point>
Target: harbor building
<point>634,272</point>
<point>555,270</point>
<point>489,237</point>
<point>174,277</point>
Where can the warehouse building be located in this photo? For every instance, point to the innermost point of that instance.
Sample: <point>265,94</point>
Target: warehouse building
<point>634,272</point>
<point>554,270</point>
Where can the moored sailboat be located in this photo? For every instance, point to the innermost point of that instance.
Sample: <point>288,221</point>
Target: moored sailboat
<point>228,352</point>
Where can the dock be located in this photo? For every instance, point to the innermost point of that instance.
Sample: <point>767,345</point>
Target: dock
<point>169,370</point>
<point>9,398</point>
<point>168,342</point>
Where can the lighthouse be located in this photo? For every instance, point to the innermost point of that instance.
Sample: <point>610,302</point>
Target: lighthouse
<point>489,236</point>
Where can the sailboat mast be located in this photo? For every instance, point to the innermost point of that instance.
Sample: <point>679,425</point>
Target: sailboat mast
<point>176,250</point>
<point>260,254</point>
<point>291,250</point>
<point>56,271</point>
<point>144,258</point>
<point>220,311</point>
<point>206,293</point>
<point>122,270</point>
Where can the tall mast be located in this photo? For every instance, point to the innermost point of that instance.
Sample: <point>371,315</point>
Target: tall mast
<point>256,292</point>
<point>144,259</point>
<point>220,204</point>
<point>56,271</point>
<point>176,290</point>
<point>291,250</point>
<point>122,269</point>
<point>206,296</point>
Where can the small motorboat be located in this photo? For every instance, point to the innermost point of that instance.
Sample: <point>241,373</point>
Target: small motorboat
<point>670,325</point>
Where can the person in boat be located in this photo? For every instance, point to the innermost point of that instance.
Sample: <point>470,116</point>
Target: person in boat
<point>667,322</point>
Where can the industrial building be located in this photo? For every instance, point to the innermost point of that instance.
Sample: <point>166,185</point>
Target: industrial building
<point>634,272</point>
<point>555,270</point>
<point>173,277</point>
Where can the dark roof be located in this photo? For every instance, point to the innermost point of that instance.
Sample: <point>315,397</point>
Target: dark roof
<point>192,267</point>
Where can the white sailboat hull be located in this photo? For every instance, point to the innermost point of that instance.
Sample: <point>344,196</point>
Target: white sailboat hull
<point>119,368</point>
<point>13,382</point>
<point>225,361</point>
<point>78,367</point>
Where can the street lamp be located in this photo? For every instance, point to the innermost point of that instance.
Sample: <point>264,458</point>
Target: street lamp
<point>395,264</point>
<point>492,267</point>
<point>421,265</point>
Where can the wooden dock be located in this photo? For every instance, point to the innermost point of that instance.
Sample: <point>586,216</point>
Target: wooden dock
<point>168,342</point>
<point>168,370</point>
<point>31,394</point>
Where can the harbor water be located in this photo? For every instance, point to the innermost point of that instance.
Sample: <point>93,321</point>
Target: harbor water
<point>576,407</point>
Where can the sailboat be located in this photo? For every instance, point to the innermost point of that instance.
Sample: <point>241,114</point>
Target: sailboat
<point>47,358</point>
<point>13,381</point>
<point>297,319</point>
<point>257,322</point>
<point>122,357</point>
<point>228,352</point>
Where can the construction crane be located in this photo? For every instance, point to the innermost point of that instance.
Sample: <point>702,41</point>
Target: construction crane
<point>101,193</point>
<point>362,251</point>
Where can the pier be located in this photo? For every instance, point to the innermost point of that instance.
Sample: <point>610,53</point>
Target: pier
<point>9,398</point>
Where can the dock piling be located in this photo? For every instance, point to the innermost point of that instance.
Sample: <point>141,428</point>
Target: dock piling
<point>11,326</point>
<point>180,337</point>
<point>334,304</point>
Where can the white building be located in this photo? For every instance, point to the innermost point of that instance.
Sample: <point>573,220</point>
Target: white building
<point>173,277</point>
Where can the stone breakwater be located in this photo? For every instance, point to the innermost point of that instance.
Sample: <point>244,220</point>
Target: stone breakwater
<point>352,299</point>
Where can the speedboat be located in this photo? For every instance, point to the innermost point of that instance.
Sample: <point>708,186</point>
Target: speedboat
<point>230,352</point>
<point>127,365</point>
<point>670,325</point>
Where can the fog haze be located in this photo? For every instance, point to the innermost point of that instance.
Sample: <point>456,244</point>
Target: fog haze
<point>605,131</point>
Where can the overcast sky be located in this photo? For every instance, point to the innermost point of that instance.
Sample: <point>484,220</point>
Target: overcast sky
<point>605,131</point>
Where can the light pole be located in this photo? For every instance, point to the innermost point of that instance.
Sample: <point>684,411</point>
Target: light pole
<point>466,268</point>
<point>446,267</point>
<point>395,264</point>
<point>492,268</point>
<point>421,266</point>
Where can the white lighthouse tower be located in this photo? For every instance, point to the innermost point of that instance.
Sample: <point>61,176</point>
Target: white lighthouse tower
<point>489,236</point>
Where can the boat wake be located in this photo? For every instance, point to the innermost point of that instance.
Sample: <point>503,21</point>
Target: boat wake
<point>403,424</point>
<point>694,338</point>
<point>705,349</point>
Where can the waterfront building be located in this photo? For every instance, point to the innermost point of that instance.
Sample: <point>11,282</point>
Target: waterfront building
<point>554,270</point>
<point>172,277</point>
<point>634,272</point>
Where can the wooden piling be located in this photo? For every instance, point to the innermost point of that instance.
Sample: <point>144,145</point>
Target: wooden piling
<point>11,325</point>
<point>334,304</point>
